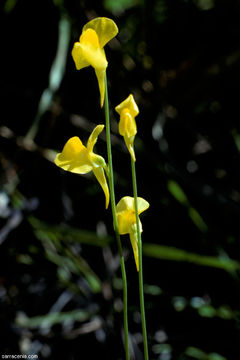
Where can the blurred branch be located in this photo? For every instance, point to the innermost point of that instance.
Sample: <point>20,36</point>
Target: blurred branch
<point>14,220</point>
<point>196,353</point>
<point>174,254</point>
<point>55,76</point>
<point>58,241</point>
<point>45,231</point>
<point>26,144</point>
<point>51,319</point>
<point>181,197</point>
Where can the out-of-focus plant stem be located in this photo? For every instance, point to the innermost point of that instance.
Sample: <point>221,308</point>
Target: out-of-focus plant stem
<point>55,76</point>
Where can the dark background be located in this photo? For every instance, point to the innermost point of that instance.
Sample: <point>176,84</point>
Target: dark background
<point>60,280</point>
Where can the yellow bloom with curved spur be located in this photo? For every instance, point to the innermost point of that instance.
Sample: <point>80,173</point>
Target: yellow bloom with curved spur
<point>128,110</point>
<point>89,50</point>
<point>127,222</point>
<point>80,159</point>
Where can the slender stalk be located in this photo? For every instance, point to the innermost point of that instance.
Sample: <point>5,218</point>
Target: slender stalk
<point>115,223</point>
<point>140,273</point>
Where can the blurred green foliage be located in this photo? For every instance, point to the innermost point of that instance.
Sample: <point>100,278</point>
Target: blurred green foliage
<point>195,353</point>
<point>52,319</point>
<point>170,253</point>
<point>116,7</point>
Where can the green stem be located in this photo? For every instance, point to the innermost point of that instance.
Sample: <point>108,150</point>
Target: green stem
<point>115,223</point>
<point>140,273</point>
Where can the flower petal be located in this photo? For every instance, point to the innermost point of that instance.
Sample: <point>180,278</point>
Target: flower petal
<point>126,219</point>
<point>97,161</point>
<point>127,124</point>
<point>74,157</point>
<point>105,28</point>
<point>134,242</point>
<point>99,173</point>
<point>127,204</point>
<point>94,136</point>
<point>80,61</point>
<point>142,205</point>
<point>91,50</point>
<point>130,104</point>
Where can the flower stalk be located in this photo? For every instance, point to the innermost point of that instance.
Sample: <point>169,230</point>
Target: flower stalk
<point>140,272</point>
<point>128,209</point>
<point>115,223</point>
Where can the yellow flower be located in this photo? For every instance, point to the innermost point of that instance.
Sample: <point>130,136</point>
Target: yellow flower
<point>127,222</point>
<point>89,50</point>
<point>79,159</point>
<point>128,110</point>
